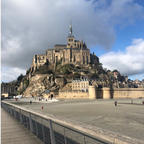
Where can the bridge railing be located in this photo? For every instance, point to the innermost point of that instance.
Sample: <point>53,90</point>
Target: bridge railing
<point>49,130</point>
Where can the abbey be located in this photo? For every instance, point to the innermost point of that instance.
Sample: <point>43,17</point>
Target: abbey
<point>74,52</point>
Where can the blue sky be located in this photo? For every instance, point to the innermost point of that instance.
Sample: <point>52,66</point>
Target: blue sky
<point>124,36</point>
<point>141,2</point>
<point>113,29</point>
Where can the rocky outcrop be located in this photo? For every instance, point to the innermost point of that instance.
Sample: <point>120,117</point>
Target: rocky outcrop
<point>36,87</point>
<point>61,76</point>
<point>60,81</point>
<point>39,83</point>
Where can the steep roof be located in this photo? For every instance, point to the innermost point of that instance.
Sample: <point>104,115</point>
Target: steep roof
<point>60,45</point>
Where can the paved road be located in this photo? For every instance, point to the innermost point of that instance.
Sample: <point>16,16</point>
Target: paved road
<point>125,119</point>
<point>12,132</point>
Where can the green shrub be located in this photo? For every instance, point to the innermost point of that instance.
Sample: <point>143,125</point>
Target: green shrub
<point>66,69</point>
<point>43,70</point>
<point>76,75</point>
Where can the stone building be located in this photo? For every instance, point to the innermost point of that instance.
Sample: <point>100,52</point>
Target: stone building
<point>74,52</point>
<point>80,85</point>
<point>8,88</point>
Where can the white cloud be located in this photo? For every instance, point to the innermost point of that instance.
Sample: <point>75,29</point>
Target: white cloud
<point>130,62</point>
<point>12,47</point>
<point>10,73</point>
<point>30,27</point>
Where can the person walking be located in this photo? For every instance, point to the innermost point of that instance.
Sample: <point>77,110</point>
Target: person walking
<point>115,103</point>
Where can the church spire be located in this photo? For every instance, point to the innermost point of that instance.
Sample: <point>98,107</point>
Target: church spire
<point>70,30</point>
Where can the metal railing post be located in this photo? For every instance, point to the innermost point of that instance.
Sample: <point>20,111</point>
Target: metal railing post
<point>10,110</point>
<point>52,137</point>
<point>65,140</point>
<point>14,114</point>
<point>43,133</point>
<point>30,122</point>
<point>84,140</point>
<point>36,128</point>
<point>21,119</point>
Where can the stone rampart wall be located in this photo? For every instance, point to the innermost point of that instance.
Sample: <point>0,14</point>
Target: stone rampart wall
<point>103,93</point>
<point>108,93</point>
<point>73,95</point>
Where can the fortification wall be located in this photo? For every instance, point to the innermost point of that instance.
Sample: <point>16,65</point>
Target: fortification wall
<point>103,93</point>
<point>73,95</point>
<point>92,92</point>
<point>108,93</point>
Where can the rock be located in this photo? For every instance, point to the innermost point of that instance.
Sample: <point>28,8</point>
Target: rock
<point>48,81</point>
<point>60,82</point>
<point>39,83</point>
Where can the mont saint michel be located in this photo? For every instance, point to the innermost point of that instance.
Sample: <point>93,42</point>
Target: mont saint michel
<point>72,72</point>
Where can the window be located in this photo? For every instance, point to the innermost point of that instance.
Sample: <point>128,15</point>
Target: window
<point>70,40</point>
<point>87,59</point>
<point>74,59</point>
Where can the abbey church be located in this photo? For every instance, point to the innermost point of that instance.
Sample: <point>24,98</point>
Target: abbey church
<point>74,52</point>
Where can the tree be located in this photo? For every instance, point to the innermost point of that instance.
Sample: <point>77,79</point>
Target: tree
<point>20,77</point>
